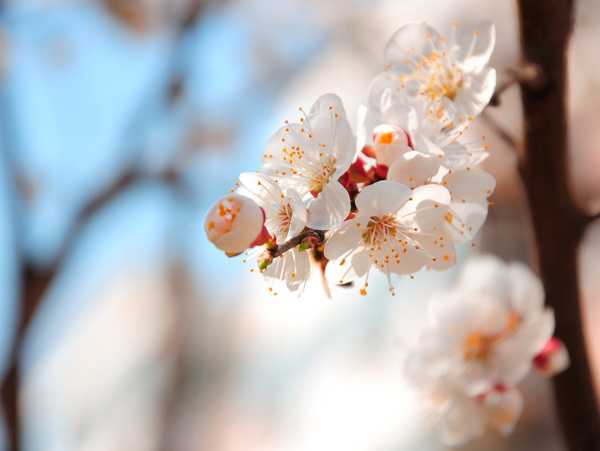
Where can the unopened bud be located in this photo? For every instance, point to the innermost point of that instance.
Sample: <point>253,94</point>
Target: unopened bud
<point>265,260</point>
<point>307,243</point>
<point>234,223</point>
<point>553,359</point>
<point>389,143</point>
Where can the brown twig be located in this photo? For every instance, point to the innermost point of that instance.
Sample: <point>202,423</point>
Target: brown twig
<point>529,75</point>
<point>316,235</point>
<point>559,225</point>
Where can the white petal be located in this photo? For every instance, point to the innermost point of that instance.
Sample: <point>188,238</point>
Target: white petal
<point>297,280</point>
<point>323,104</point>
<point>396,112</point>
<point>276,159</point>
<point>515,355</point>
<point>475,46</point>
<point>353,267</point>
<point>427,208</point>
<point>345,238</point>
<point>411,42</point>
<point>465,220</point>
<point>330,208</point>
<point>413,169</point>
<point>262,188</point>
<point>503,409</point>
<point>469,185</point>
<point>386,81</point>
<point>486,273</point>
<point>411,261</point>
<point>526,291</point>
<point>299,213</point>
<point>462,421</point>
<point>469,207</point>
<point>382,198</point>
<point>329,127</point>
<point>291,270</point>
<point>424,145</point>
<point>440,249</point>
<point>459,156</point>
<point>476,92</point>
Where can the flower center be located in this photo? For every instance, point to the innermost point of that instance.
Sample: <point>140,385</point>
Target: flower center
<point>438,75</point>
<point>319,171</point>
<point>444,82</point>
<point>380,229</point>
<point>280,224</point>
<point>478,346</point>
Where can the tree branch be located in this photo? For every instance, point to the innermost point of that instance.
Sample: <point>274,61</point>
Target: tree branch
<point>315,235</point>
<point>530,75</point>
<point>35,282</point>
<point>545,28</point>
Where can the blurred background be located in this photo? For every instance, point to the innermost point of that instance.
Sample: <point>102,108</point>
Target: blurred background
<point>121,122</point>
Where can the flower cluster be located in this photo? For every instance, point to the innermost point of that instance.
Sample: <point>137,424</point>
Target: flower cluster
<point>481,340</point>
<point>395,196</point>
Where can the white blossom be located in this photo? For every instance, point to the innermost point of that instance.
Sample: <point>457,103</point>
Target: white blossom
<point>439,76</point>
<point>391,231</point>
<point>310,157</point>
<point>286,218</point>
<point>488,329</point>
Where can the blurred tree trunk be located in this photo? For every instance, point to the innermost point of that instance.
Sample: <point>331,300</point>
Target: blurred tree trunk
<point>559,224</point>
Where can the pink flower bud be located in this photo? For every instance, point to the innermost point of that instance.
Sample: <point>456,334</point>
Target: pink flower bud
<point>390,143</point>
<point>553,359</point>
<point>234,223</point>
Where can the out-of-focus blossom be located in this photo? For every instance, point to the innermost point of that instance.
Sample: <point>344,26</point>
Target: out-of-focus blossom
<point>391,231</point>
<point>503,407</point>
<point>457,417</point>
<point>488,329</point>
<point>481,340</point>
<point>234,223</point>
<point>310,156</point>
